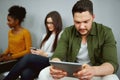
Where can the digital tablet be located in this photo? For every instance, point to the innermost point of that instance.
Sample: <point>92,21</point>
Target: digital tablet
<point>69,67</point>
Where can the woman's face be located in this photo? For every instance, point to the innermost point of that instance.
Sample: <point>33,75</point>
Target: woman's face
<point>50,24</point>
<point>12,22</point>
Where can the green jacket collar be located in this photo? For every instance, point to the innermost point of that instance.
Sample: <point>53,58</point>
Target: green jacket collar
<point>93,30</point>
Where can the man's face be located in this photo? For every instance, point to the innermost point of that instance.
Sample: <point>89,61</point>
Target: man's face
<point>83,22</point>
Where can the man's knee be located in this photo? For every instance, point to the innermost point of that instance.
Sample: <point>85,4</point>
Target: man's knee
<point>45,74</point>
<point>110,77</point>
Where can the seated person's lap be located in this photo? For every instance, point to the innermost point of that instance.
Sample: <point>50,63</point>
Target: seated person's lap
<point>45,75</point>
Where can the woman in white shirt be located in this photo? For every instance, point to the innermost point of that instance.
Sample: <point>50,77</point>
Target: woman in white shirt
<point>30,65</point>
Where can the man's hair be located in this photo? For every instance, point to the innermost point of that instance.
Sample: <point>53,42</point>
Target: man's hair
<point>82,6</point>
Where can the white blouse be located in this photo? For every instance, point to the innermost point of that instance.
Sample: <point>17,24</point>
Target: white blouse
<point>47,46</point>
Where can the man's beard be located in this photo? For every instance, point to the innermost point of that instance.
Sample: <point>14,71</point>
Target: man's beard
<point>85,33</point>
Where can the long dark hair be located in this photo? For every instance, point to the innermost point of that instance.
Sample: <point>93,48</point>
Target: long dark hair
<point>57,22</point>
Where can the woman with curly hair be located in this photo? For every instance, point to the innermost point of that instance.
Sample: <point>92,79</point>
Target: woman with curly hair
<point>19,38</point>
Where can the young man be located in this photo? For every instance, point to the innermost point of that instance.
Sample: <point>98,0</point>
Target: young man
<point>88,43</point>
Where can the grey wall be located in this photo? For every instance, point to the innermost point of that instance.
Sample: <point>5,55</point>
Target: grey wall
<point>106,11</point>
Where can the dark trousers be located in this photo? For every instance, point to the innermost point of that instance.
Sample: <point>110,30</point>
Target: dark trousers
<point>28,67</point>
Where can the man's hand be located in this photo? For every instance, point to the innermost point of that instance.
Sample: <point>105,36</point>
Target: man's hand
<point>57,73</point>
<point>86,73</point>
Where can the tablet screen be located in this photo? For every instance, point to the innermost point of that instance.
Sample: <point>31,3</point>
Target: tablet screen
<point>69,67</point>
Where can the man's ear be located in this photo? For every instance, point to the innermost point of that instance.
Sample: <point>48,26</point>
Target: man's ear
<point>93,16</point>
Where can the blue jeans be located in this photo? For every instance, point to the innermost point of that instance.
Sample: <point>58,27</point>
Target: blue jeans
<point>28,67</point>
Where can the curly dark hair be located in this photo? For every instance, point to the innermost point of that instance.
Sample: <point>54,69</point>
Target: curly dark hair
<point>17,12</point>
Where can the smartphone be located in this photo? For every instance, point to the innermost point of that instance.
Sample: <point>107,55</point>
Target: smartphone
<point>33,48</point>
